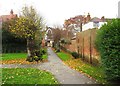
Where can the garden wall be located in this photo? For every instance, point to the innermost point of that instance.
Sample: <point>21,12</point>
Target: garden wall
<point>84,44</point>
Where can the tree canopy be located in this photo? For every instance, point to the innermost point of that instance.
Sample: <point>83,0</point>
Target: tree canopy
<point>29,26</point>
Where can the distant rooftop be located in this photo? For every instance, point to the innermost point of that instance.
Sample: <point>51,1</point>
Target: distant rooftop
<point>8,17</point>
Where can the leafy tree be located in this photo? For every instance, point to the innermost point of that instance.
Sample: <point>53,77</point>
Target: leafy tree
<point>29,26</point>
<point>57,37</point>
<point>108,44</point>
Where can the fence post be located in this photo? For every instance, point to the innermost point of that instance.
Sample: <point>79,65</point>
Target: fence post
<point>90,48</point>
<point>78,51</point>
<point>83,46</point>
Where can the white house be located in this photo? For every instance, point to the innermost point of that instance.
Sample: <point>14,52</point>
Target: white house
<point>93,23</point>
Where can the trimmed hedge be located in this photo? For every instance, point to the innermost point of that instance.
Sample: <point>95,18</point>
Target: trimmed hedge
<point>108,44</point>
<point>11,44</point>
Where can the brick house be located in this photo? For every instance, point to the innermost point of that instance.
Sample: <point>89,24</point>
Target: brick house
<point>5,18</point>
<point>77,21</point>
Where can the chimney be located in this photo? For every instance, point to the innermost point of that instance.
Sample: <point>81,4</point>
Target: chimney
<point>84,20</point>
<point>102,18</point>
<point>88,17</point>
<point>11,12</point>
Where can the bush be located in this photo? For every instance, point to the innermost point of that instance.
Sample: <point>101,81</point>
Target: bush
<point>11,44</point>
<point>30,59</point>
<point>44,51</point>
<point>108,44</point>
<point>58,50</point>
<point>75,55</point>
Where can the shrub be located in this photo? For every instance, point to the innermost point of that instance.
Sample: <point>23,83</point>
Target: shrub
<point>44,51</point>
<point>30,59</point>
<point>11,44</point>
<point>75,55</point>
<point>108,44</point>
<point>57,50</point>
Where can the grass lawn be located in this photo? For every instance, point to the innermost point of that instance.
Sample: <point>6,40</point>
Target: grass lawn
<point>27,76</point>
<point>94,72</point>
<point>19,58</point>
<point>63,56</point>
<point>44,56</point>
<point>89,70</point>
<point>12,56</point>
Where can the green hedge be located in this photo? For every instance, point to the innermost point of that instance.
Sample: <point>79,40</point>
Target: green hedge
<point>11,44</point>
<point>108,44</point>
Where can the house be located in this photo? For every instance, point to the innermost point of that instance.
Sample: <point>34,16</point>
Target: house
<point>49,36</point>
<point>77,21</point>
<point>74,24</point>
<point>94,23</point>
<point>4,18</point>
<point>81,23</point>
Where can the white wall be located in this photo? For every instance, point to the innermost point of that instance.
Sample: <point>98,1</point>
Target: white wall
<point>90,25</point>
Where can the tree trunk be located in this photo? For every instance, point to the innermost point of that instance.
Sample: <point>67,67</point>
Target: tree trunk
<point>29,56</point>
<point>28,48</point>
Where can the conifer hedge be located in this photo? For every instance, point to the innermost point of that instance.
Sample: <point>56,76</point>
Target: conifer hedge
<point>108,45</point>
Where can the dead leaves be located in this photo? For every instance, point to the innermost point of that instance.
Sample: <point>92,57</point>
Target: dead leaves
<point>20,61</point>
<point>73,63</point>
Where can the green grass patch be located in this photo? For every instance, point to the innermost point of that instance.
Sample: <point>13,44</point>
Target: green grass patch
<point>12,56</point>
<point>63,56</point>
<point>44,56</point>
<point>94,71</point>
<point>26,76</point>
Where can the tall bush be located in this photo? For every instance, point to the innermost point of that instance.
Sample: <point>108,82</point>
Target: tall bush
<point>11,44</point>
<point>108,44</point>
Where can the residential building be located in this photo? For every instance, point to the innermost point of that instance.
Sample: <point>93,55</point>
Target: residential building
<point>49,36</point>
<point>94,23</point>
<point>82,23</point>
<point>74,24</point>
<point>5,18</point>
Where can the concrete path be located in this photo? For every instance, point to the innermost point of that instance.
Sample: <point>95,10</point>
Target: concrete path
<point>63,73</point>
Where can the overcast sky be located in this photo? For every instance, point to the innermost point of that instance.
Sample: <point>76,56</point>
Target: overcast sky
<point>56,11</point>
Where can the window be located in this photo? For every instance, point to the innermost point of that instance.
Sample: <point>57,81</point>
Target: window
<point>95,24</point>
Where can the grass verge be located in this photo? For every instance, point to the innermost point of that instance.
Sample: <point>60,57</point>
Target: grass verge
<point>64,56</point>
<point>12,56</point>
<point>94,72</point>
<point>44,56</point>
<point>19,58</point>
<point>26,76</point>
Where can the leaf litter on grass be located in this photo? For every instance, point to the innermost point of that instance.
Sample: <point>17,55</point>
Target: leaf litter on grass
<point>21,61</point>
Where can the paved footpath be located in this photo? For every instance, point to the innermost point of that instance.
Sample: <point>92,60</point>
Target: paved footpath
<point>63,73</point>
